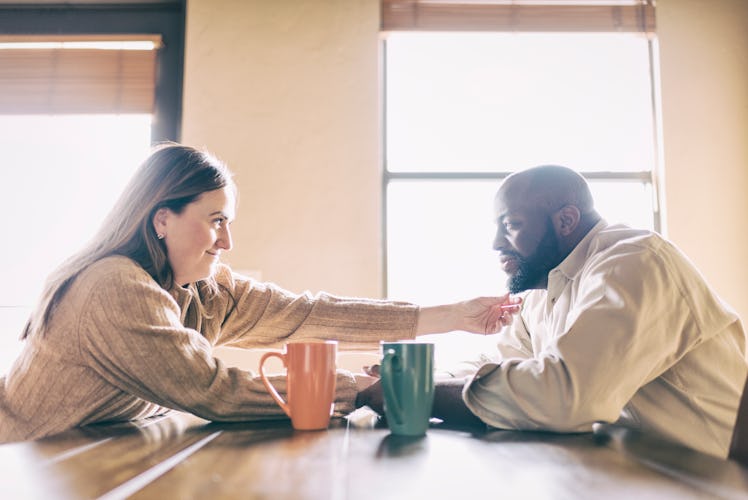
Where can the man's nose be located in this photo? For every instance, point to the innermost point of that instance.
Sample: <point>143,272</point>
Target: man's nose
<point>499,241</point>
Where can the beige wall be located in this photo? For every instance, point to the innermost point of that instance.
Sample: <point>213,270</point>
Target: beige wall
<point>287,93</point>
<point>704,74</point>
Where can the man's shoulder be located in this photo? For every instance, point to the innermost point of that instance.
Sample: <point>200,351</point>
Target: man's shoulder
<point>619,237</point>
<point>624,249</point>
<point>623,233</point>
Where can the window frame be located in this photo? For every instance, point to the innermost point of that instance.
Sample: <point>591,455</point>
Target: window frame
<point>166,17</point>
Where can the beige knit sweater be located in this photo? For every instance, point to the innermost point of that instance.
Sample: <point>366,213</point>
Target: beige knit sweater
<point>120,347</point>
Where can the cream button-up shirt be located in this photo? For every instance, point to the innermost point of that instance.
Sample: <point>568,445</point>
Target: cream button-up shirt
<point>627,331</point>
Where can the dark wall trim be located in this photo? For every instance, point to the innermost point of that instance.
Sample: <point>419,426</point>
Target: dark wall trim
<point>166,18</point>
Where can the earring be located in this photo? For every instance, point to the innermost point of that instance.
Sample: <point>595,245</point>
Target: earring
<point>159,236</point>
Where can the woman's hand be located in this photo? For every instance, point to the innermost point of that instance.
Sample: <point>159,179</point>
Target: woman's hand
<point>484,315</point>
<point>489,314</point>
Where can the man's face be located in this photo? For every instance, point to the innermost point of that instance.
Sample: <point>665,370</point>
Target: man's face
<point>527,243</point>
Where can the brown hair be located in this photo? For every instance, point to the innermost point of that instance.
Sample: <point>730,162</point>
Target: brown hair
<point>171,177</point>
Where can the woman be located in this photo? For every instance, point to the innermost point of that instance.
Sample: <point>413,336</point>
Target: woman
<point>124,329</point>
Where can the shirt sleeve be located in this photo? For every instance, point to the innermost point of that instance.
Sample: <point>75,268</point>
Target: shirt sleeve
<point>263,315</point>
<point>631,320</point>
<point>132,336</point>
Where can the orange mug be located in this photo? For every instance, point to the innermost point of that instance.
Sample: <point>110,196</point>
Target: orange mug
<point>310,382</point>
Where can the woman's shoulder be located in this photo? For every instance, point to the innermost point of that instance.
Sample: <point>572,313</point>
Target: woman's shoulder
<point>108,285</point>
<point>228,278</point>
<point>115,268</point>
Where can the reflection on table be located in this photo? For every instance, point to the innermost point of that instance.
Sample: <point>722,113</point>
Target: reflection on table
<point>182,456</point>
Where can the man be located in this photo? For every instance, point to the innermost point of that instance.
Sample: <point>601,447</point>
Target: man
<point>617,326</point>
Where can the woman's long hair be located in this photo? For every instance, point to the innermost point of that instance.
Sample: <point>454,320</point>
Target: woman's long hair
<point>171,177</point>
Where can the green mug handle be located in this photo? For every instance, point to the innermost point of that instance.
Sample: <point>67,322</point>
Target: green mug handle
<point>394,410</point>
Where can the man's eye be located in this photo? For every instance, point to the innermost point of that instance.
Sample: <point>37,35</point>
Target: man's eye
<point>509,226</point>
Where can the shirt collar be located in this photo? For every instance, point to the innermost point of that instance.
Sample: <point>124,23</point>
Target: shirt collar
<point>573,263</point>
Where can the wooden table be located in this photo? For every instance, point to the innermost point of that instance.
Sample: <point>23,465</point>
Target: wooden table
<point>181,456</point>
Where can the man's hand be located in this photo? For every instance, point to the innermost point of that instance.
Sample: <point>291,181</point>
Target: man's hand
<point>449,406</point>
<point>371,397</point>
<point>372,371</point>
<point>364,380</point>
<point>448,403</point>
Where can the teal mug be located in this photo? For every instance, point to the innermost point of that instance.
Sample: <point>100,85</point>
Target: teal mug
<point>407,378</point>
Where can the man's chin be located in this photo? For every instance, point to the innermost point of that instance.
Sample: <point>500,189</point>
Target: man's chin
<point>513,286</point>
<point>519,283</point>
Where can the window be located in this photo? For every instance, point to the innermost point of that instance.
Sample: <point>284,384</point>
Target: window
<point>464,108</point>
<point>78,113</point>
<point>60,176</point>
<point>136,20</point>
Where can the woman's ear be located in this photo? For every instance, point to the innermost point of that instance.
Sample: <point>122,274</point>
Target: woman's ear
<point>159,221</point>
<point>567,219</point>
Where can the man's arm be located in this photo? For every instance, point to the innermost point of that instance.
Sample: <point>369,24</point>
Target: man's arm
<point>448,403</point>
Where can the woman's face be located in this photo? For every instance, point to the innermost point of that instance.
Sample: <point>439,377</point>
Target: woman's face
<point>196,237</point>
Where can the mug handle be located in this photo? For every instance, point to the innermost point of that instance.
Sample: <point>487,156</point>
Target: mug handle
<point>395,413</point>
<point>274,393</point>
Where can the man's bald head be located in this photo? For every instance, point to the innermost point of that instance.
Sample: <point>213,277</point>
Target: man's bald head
<point>542,214</point>
<point>548,187</point>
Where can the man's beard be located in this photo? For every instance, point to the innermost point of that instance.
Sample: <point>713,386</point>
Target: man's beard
<point>534,269</point>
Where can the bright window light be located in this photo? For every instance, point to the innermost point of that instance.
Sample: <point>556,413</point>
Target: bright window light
<point>463,109</point>
<point>501,102</point>
<point>61,175</point>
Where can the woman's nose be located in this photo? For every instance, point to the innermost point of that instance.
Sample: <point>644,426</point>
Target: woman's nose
<point>224,239</point>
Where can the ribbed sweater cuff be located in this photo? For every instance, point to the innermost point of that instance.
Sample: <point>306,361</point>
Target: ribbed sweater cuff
<point>345,393</point>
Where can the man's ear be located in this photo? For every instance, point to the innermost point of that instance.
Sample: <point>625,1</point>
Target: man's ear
<point>566,219</point>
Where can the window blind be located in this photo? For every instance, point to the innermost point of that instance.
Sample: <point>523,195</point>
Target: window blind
<point>518,15</point>
<point>73,74</point>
